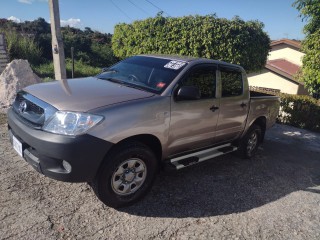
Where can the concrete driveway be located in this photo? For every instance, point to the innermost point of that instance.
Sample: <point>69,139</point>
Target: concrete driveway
<point>275,195</point>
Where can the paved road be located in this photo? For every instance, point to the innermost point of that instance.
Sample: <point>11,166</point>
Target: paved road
<point>276,195</point>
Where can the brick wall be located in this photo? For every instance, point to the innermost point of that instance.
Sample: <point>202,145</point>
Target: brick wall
<point>3,53</point>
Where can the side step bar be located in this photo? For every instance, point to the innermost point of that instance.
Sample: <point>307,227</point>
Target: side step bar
<point>197,157</point>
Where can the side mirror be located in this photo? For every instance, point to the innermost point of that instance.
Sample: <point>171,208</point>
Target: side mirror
<point>188,93</point>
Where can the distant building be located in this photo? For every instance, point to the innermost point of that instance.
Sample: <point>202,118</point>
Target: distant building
<point>284,62</point>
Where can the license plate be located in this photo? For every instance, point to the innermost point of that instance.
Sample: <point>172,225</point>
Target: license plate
<point>17,145</point>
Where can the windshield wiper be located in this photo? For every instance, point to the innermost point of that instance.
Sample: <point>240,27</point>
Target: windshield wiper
<point>123,83</point>
<point>107,70</point>
<point>135,86</point>
<point>111,80</point>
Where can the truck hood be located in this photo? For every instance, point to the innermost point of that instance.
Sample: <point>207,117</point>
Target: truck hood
<point>84,94</point>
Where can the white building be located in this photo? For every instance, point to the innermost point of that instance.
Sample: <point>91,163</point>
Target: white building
<point>280,72</point>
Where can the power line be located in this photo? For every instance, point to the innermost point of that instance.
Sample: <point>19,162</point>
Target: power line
<point>157,7</point>
<point>139,8</point>
<point>121,10</point>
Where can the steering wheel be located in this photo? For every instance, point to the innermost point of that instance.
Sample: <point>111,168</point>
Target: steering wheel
<point>132,77</point>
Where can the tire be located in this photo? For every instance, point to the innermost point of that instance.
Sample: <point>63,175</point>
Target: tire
<point>250,142</point>
<point>126,175</point>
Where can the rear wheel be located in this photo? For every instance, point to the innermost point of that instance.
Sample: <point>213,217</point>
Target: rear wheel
<point>250,142</point>
<point>126,175</point>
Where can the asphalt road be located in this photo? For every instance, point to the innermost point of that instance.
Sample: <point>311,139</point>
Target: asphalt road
<point>275,195</point>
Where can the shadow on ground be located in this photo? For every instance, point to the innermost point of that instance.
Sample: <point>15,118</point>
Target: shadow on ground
<point>229,185</point>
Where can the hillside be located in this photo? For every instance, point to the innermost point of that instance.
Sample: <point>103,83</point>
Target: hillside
<point>32,40</point>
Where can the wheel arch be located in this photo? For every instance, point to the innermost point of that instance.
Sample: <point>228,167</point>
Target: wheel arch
<point>262,123</point>
<point>124,150</point>
<point>147,139</point>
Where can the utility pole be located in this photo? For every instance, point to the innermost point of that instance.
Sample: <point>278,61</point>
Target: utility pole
<point>57,43</point>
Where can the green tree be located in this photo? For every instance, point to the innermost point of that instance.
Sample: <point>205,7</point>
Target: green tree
<point>234,41</point>
<point>310,72</point>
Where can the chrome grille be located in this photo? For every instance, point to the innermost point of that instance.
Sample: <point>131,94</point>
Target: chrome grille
<point>31,106</point>
<point>31,110</point>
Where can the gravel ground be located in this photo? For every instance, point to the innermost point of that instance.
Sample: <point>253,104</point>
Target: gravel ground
<point>276,195</point>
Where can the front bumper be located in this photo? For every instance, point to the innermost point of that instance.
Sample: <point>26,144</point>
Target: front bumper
<point>46,151</point>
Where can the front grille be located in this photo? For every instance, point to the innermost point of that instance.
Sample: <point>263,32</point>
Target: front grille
<point>28,110</point>
<point>32,107</point>
<point>26,121</point>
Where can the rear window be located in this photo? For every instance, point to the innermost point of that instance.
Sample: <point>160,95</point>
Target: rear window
<point>231,80</point>
<point>148,73</point>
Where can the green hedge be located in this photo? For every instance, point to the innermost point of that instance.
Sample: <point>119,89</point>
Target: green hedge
<point>300,111</point>
<point>234,41</point>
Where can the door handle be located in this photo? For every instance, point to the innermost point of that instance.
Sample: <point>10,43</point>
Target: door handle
<point>214,108</point>
<point>243,105</point>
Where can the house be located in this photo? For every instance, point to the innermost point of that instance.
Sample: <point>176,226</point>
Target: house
<point>283,64</point>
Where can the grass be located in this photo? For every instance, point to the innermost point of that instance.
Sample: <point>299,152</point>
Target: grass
<point>22,47</point>
<point>46,71</point>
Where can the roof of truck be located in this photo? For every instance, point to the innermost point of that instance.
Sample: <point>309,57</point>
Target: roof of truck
<point>189,59</point>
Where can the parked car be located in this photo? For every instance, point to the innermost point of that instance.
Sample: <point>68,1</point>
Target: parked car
<point>117,129</point>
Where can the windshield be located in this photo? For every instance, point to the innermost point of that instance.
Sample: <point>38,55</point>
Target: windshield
<point>146,73</point>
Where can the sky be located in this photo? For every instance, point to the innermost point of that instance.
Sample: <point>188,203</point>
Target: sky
<point>280,18</point>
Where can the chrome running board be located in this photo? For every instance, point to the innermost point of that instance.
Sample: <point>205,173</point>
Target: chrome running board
<point>203,155</point>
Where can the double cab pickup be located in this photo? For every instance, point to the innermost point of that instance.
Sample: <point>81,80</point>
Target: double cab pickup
<point>147,112</point>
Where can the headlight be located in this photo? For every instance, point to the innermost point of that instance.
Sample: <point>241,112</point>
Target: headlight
<point>71,123</point>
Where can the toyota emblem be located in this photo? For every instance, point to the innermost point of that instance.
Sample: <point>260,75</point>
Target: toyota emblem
<point>23,107</point>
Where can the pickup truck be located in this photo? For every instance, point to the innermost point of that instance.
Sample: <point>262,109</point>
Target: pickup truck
<point>148,112</point>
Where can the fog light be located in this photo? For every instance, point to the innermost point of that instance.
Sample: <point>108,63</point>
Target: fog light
<point>66,166</point>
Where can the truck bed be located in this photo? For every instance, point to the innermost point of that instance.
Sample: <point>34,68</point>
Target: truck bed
<point>263,104</point>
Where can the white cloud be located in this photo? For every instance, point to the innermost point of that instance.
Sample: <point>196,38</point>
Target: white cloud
<point>14,19</point>
<point>26,1</point>
<point>72,22</point>
<point>31,1</point>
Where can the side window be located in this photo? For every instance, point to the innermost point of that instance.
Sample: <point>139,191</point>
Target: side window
<point>231,81</point>
<point>203,77</point>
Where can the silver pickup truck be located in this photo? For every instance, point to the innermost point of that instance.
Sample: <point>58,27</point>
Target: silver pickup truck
<point>117,129</point>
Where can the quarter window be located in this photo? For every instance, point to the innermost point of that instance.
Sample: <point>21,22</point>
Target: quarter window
<point>232,84</point>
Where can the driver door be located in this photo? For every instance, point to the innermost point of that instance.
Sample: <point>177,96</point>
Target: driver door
<point>193,122</point>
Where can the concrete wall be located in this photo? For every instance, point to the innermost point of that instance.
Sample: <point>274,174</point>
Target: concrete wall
<point>3,53</point>
<point>268,79</point>
<point>285,51</point>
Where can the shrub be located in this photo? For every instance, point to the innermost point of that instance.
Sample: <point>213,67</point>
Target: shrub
<point>22,47</point>
<point>102,55</point>
<point>81,69</point>
<point>234,41</point>
<point>44,70</point>
<point>300,111</point>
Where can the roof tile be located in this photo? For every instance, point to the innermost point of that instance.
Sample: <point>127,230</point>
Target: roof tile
<point>293,43</point>
<point>284,66</point>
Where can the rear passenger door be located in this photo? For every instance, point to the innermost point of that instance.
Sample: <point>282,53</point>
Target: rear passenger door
<point>193,122</point>
<point>233,104</point>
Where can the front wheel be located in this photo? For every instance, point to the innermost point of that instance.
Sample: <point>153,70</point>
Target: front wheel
<point>250,142</point>
<point>126,175</point>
